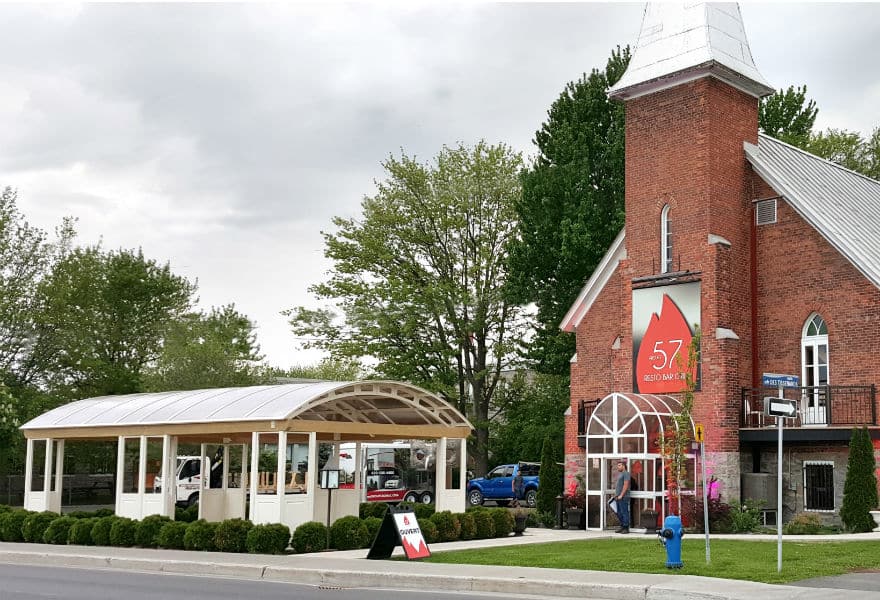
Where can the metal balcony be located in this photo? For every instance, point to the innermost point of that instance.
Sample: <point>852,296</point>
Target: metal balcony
<point>818,406</point>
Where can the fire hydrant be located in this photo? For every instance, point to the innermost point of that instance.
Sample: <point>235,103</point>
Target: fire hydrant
<point>670,537</point>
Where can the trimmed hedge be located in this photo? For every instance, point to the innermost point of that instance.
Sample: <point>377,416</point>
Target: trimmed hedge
<point>11,523</point>
<point>348,533</point>
<point>372,509</point>
<point>373,524</point>
<point>123,532</point>
<point>80,533</point>
<point>503,520</point>
<point>200,536</point>
<point>171,535</point>
<point>268,539</point>
<point>5,508</point>
<point>90,514</point>
<point>101,530</point>
<point>429,531</point>
<point>36,524</point>
<point>448,526</point>
<point>148,530</point>
<point>231,535</point>
<point>186,515</point>
<point>309,537</point>
<point>484,523</point>
<point>468,526</point>
<point>58,530</point>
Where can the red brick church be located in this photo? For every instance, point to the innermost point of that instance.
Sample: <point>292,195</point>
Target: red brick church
<point>771,252</point>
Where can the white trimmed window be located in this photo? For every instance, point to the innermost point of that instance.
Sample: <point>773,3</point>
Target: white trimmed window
<point>665,241</point>
<point>819,485</point>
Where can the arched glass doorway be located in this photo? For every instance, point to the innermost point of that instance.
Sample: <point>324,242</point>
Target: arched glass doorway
<point>628,426</point>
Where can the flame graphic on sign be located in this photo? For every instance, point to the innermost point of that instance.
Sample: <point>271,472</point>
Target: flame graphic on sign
<point>664,351</point>
<point>415,548</point>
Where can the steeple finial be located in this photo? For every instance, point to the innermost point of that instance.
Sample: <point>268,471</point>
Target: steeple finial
<point>682,42</point>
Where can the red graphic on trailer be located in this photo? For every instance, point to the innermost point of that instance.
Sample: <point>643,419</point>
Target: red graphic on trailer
<point>411,536</point>
<point>663,352</point>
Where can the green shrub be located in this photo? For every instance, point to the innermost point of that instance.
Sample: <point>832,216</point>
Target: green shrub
<point>468,526</point>
<point>503,520</point>
<point>171,535</point>
<point>5,508</point>
<point>533,518</point>
<point>310,537</point>
<point>90,514</point>
<point>123,532</point>
<point>11,524</point>
<point>35,525</point>
<point>485,525</point>
<point>269,539</point>
<point>101,530</point>
<point>373,524</point>
<point>58,530</point>
<point>746,518</point>
<point>803,524</point>
<point>186,515</point>
<point>200,536</point>
<point>348,533</point>
<point>372,509</point>
<point>860,485</point>
<point>148,530</point>
<point>448,526</point>
<point>80,533</point>
<point>424,511</point>
<point>231,535</point>
<point>429,532</point>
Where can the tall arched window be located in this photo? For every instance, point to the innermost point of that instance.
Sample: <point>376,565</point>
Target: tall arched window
<point>814,367</point>
<point>665,241</point>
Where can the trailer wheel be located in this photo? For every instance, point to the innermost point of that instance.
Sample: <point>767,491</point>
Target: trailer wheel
<point>427,498</point>
<point>411,497</point>
<point>193,499</point>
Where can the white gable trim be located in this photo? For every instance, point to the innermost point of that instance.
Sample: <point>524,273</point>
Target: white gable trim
<point>595,284</point>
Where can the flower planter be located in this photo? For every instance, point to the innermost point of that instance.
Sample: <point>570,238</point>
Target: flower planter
<point>519,524</point>
<point>573,517</point>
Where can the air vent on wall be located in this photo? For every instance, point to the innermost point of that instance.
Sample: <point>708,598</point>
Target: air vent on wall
<point>765,212</point>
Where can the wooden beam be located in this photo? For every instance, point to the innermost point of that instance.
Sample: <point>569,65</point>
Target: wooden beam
<point>179,429</point>
<point>380,429</point>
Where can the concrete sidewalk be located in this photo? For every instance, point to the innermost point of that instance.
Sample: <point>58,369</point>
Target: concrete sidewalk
<point>351,570</point>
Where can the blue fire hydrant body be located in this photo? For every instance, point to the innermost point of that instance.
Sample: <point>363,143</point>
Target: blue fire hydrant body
<point>670,536</point>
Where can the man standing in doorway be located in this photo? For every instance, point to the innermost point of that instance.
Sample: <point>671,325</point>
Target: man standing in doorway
<point>621,494</point>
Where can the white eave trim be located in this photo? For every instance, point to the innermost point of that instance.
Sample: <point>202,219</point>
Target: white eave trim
<point>753,155</point>
<point>595,284</point>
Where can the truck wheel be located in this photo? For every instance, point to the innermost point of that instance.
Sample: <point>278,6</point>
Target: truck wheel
<point>475,497</point>
<point>532,498</point>
<point>193,499</point>
<point>427,498</point>
<point>411,497</point>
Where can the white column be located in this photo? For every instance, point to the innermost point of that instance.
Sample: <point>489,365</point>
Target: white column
<point>462,468</point>
<point>47,472</point>
<point>313,475</point>
<point>142,469</point>
<point>440,469</point>
<point>255,465</point>
<point>120,473</point>
<point>281,475</point>
<point>358,474</point>
<point>169,475</point>
<point>55,503</point>
<point>28,470</point>
<point>225,481</point>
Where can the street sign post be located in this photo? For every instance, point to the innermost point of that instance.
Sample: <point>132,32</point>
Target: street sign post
<point>699,437</point>
<point>781,408</point>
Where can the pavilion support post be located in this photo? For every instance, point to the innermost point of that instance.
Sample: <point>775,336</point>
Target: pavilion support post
<point>440,491</point>
<point>47,469</point>
<point>120,473</point>
<point>28,473</point>
<point>281,475</point>
<point>358,474</point>
<point>255,474</point>
<point>169,474</point>
<point>53,500</point>
<point>462,468</point>
<point>313,475</point>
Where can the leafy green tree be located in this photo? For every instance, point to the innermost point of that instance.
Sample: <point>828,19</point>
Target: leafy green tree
<point>102,318</point>
<point>531,410</point>
<point>788,116</point>
<point>199,350</point>
<point>571,209</point>
<point>849,149</point>
<point>551,476</point>
<point>419,279</point>
<point>860,487</point>
<point>328,369</point>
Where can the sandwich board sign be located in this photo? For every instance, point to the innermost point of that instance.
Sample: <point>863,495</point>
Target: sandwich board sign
<point>399,527</point>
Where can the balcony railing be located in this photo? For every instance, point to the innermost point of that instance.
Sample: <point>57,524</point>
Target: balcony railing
<point>585,410</point>
<point>830,405</point>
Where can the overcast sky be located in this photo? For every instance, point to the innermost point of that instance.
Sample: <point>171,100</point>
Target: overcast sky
<point>223,138</point>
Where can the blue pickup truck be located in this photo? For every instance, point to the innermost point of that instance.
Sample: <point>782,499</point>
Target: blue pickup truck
<point>497,485</point>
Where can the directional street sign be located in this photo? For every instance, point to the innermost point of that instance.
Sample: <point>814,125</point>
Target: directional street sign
<point>776,380</point>
<point>698,432</point>
<point>780,407</point>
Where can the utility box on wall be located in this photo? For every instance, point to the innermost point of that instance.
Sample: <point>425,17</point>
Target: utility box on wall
<point>761,487</point>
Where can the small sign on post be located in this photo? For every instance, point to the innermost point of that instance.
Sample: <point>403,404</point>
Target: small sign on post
<point>777,380</point>
<point>780,407</point>
<point>698,433</point>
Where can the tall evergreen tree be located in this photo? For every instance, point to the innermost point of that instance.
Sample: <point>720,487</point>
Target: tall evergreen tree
<point>572,206</point>
<point>860,487</point>
<point>551,477</point>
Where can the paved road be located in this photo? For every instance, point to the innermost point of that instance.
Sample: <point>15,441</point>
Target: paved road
<point>50,583</point>
<point>869,581</point>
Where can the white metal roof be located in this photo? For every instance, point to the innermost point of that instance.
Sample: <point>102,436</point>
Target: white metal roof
<point>383,402</point>
<point>842,205</point>
<point>679,42</point>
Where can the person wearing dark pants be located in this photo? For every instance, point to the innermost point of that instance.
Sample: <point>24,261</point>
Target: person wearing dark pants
<point>621,494</point>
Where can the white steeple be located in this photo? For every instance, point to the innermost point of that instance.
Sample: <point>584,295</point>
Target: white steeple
<point>683,42</point>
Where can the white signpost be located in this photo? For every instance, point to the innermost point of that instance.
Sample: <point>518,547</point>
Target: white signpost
<point>781,408</point>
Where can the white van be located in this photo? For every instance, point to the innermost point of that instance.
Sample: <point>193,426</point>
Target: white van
<point>188,480</point>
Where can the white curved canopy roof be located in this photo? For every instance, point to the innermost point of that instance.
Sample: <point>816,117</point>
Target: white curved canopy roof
<point>371,407</point>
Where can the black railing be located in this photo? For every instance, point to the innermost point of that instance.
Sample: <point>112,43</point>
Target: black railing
<point>585,410</point>
<point>843,405</point>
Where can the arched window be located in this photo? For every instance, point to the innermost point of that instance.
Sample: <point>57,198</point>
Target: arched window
<point>814,367</point>
<point>665,241</point>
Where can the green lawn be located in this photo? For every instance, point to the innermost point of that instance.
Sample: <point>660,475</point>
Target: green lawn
<point>731,559</point>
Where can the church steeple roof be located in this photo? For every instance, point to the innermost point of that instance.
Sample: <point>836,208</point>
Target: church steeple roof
<point>682,42</point>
